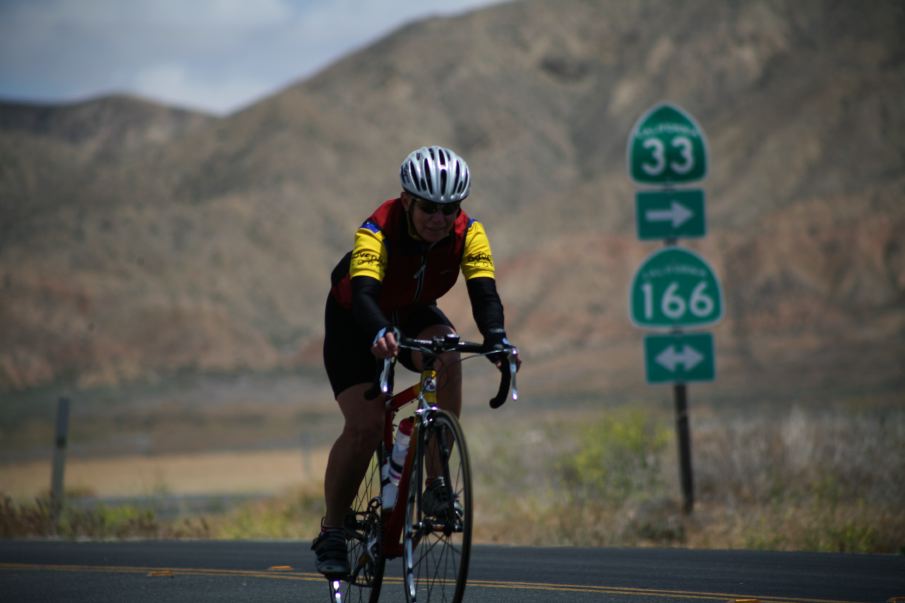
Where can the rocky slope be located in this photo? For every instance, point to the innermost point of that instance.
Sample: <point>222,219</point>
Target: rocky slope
<point>138,241</point>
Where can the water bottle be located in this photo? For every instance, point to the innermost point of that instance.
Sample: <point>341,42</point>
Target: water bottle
<point>392,469</point>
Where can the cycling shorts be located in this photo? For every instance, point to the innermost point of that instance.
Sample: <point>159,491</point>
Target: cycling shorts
<point>347,347</point>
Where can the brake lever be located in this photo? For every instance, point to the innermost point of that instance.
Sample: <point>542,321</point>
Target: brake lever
<point>513,370</point>
<point>385,375</point>
<point>382,384</point>
<point>507,380</point>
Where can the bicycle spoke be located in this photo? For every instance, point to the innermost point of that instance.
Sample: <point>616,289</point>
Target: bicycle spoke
<point>427,552</point>
<point>445,566</point>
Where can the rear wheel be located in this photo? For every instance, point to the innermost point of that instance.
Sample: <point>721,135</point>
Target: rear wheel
<point>437,539</point>
<point>364,530</point>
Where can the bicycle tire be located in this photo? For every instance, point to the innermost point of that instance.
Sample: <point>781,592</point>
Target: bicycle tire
<point>364,537</point>
<point>436,551</point>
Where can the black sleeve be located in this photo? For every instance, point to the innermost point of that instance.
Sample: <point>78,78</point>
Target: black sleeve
<point>365,308</point>
<point>486,306</point>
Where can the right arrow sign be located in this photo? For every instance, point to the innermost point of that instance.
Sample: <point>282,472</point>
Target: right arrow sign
<point>679,358</point>
<point>670,214</point>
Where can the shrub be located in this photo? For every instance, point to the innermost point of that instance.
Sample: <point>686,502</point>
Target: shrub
<point>619,458</point>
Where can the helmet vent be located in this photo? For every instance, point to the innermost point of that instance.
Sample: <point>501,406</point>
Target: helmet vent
<point>427,180</point>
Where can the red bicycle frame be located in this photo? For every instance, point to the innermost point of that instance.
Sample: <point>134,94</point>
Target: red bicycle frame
<point>394,519</point>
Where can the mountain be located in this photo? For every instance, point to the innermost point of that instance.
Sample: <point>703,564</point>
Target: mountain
<point>110,125</point>
<point>139,241</point>
<point>86,153</point>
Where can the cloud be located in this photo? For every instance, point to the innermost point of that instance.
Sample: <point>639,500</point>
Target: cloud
<point>213,54</point>
<point>173,84</point>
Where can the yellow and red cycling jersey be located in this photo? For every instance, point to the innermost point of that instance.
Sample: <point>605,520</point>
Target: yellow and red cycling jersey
<point>411,271</point>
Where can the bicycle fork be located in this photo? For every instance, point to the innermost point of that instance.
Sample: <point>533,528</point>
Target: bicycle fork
<point>437,451</point>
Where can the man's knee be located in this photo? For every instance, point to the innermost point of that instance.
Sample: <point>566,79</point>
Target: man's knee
<point>450,365</point>
<point>363,418</point>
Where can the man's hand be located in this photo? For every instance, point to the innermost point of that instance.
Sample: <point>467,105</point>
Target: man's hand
<point>385,345</point>
<point>496,340</point>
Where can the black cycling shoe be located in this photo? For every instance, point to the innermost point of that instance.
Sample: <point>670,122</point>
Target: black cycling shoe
<point>436,498</point>
<point>332,556</point>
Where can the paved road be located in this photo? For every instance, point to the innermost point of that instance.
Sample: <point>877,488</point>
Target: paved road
<point>197,571</point>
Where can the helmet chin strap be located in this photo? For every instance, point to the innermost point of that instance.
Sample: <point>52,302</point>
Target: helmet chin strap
<point>410,220</point>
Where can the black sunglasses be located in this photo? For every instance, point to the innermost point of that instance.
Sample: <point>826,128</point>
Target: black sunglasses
<point>429,208</point>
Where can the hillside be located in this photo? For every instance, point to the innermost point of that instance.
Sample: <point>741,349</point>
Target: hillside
<point>112,125</point>
<point>89,153</point>
<point>138,242</point>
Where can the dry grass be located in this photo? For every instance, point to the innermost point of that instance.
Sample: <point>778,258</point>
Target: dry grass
<point>803,480</point>
<point>798,479</point>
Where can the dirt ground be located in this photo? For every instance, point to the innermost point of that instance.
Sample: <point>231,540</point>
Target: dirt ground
<point>262,471</point>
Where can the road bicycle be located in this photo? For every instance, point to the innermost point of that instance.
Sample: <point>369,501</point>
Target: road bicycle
<point>435,543</point>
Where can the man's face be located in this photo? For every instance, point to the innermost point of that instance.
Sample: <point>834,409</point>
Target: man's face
<point>431,221</point>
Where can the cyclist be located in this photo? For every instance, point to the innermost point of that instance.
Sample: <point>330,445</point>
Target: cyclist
<point>405,256</point>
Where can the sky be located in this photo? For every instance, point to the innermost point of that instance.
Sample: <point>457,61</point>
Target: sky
<point>214,55</point>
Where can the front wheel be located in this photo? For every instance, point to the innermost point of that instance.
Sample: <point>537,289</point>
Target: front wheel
<point>437,537</point>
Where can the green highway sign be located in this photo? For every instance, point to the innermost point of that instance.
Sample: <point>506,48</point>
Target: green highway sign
<point>667,146</point>
<point>670,214</point>
<point>679,358</point>
<point>675,288</point>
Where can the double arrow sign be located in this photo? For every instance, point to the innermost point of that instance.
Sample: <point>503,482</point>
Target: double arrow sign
<point>679,357</point>
<point>686,359</point>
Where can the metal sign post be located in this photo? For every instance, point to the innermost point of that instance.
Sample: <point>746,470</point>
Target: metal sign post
<point>683,433</point>
<point>674,288</point>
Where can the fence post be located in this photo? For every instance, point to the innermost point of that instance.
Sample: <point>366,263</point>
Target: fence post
<point>59,460</point>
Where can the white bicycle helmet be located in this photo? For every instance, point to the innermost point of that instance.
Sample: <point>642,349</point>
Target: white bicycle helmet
<point>435,174</point>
